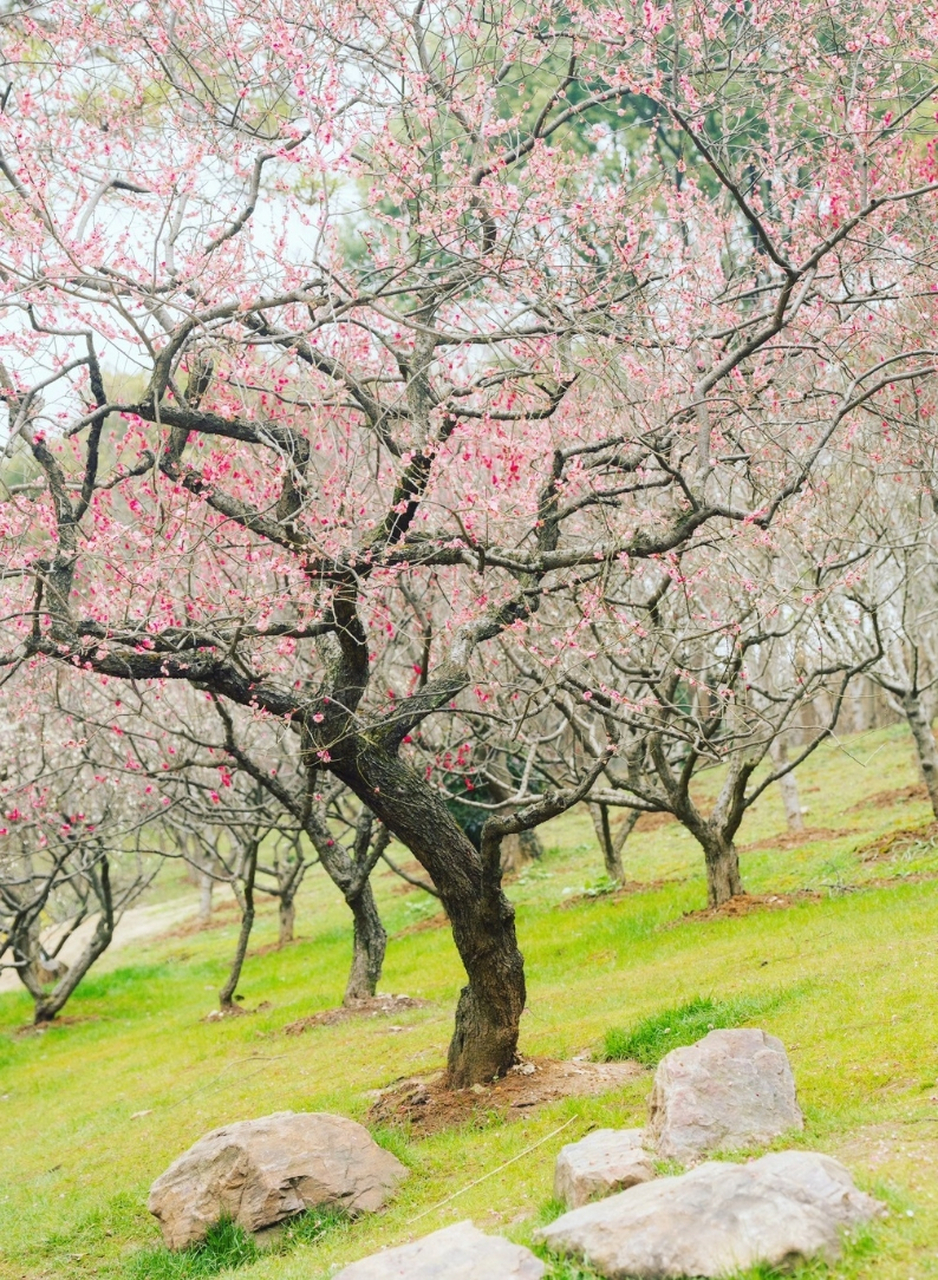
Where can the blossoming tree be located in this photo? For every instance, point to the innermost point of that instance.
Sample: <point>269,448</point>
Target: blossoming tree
<point>307,307</point>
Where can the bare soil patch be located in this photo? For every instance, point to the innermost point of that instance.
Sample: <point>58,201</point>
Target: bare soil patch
<point>653,821</point>
<point>438,921</point>
<point>745,903</point>
<point>627,889</point>
<point>426,1105</point>
<point>795,839</point>
<point>223,915</point>
<point>890,882</point>
<point>888,799</point>
<point>68,1020</point>
<point>270,947</point>
<point>235,1011</point>
<point>412,868</point>
<point>897,844</point>
<point>376,1007</point>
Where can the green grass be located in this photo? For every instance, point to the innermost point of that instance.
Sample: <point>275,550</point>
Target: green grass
<point>227,1247</point>
<point>657,1034</point>
<point>92,1111</point>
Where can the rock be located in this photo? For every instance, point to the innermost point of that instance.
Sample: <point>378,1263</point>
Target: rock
<point>460,1252</point>
<point>605,1161</point>
<point>732,1089</point>
<point>259,1172</point>
<point>717,1219</point>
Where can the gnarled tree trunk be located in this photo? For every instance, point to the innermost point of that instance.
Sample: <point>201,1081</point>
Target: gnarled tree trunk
<point>612,843</point>
<point>722,863</point>
<point>287,917</point>
<point>485,1038</point>
<point>245,896</point>
<point>48,1004</point>
<point>518,850</point>
<point>370,943</point>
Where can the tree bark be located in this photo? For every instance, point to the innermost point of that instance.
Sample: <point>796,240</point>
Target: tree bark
<point>246,895</point>
<point>612,845</point>
<point>518,850</point>
<point>722,862</point>
<point>369,945</point>
<point>287,914</point>
<point>924,739</point>
<point>206,886</point>
<point>788,785</point>
<point>485,1037</point>
<point>47,1006</point>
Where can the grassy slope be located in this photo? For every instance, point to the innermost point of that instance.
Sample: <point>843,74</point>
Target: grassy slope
<point>859,1017</point>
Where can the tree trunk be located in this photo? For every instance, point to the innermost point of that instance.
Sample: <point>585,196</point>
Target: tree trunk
<point>246,895</point>
<point>485,1038</point>
<point>722,861</point>
<point>47,1006</point>
<point>924,739</point>
<point>788,785</point>
<point>518,850</point>
<point>370,943</point>
<point>287,912</point>
<point>612,845</point>
<point>206,886</point>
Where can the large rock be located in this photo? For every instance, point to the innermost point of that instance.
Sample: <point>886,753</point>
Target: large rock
<point>460,1252</point>
<point>259,1172</point>
<point>730,1090</point>
<point>605,1161</point>
<point>717,1219</point>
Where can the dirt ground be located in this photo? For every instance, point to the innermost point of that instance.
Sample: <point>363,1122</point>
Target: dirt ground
<point>898,843</point>
<point>134,925</point>
<point>887,799</point>
<point>425,1105</point>
<point>795,839</point>
<point>744,903</point>
<point>376,1007</point>
<point>624,890</point>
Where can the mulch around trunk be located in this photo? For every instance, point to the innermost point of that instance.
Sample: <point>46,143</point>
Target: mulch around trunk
<point>889,799</point>
<point>60,1020</point>
<point>745,903</point>
<point>376,1007</point>
<point>897,844</point>
<point>795,839</point>
<point>625,890</point>
<point>235,1011</point>
<point>425,1105</point>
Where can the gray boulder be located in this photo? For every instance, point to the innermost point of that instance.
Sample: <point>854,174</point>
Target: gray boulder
<point>717,1219</point>
<point>259,1172</point>
<point>605,1161</point>
<point>460,1252</point>
<point>732,1089</point>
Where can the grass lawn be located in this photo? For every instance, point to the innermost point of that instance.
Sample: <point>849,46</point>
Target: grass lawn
<point>93,1110</point>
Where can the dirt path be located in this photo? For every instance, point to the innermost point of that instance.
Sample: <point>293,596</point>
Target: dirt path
<point>136,925</point>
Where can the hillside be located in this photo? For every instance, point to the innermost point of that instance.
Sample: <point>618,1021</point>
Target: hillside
<point>840,960</point>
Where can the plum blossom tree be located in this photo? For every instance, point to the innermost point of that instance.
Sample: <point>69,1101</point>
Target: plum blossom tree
<point>77,848</point>
<point>901,585</point>
<point>509,301</point>
<point>715,671</point>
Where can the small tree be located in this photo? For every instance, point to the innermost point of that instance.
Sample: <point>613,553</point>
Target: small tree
<point>75,849</point>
